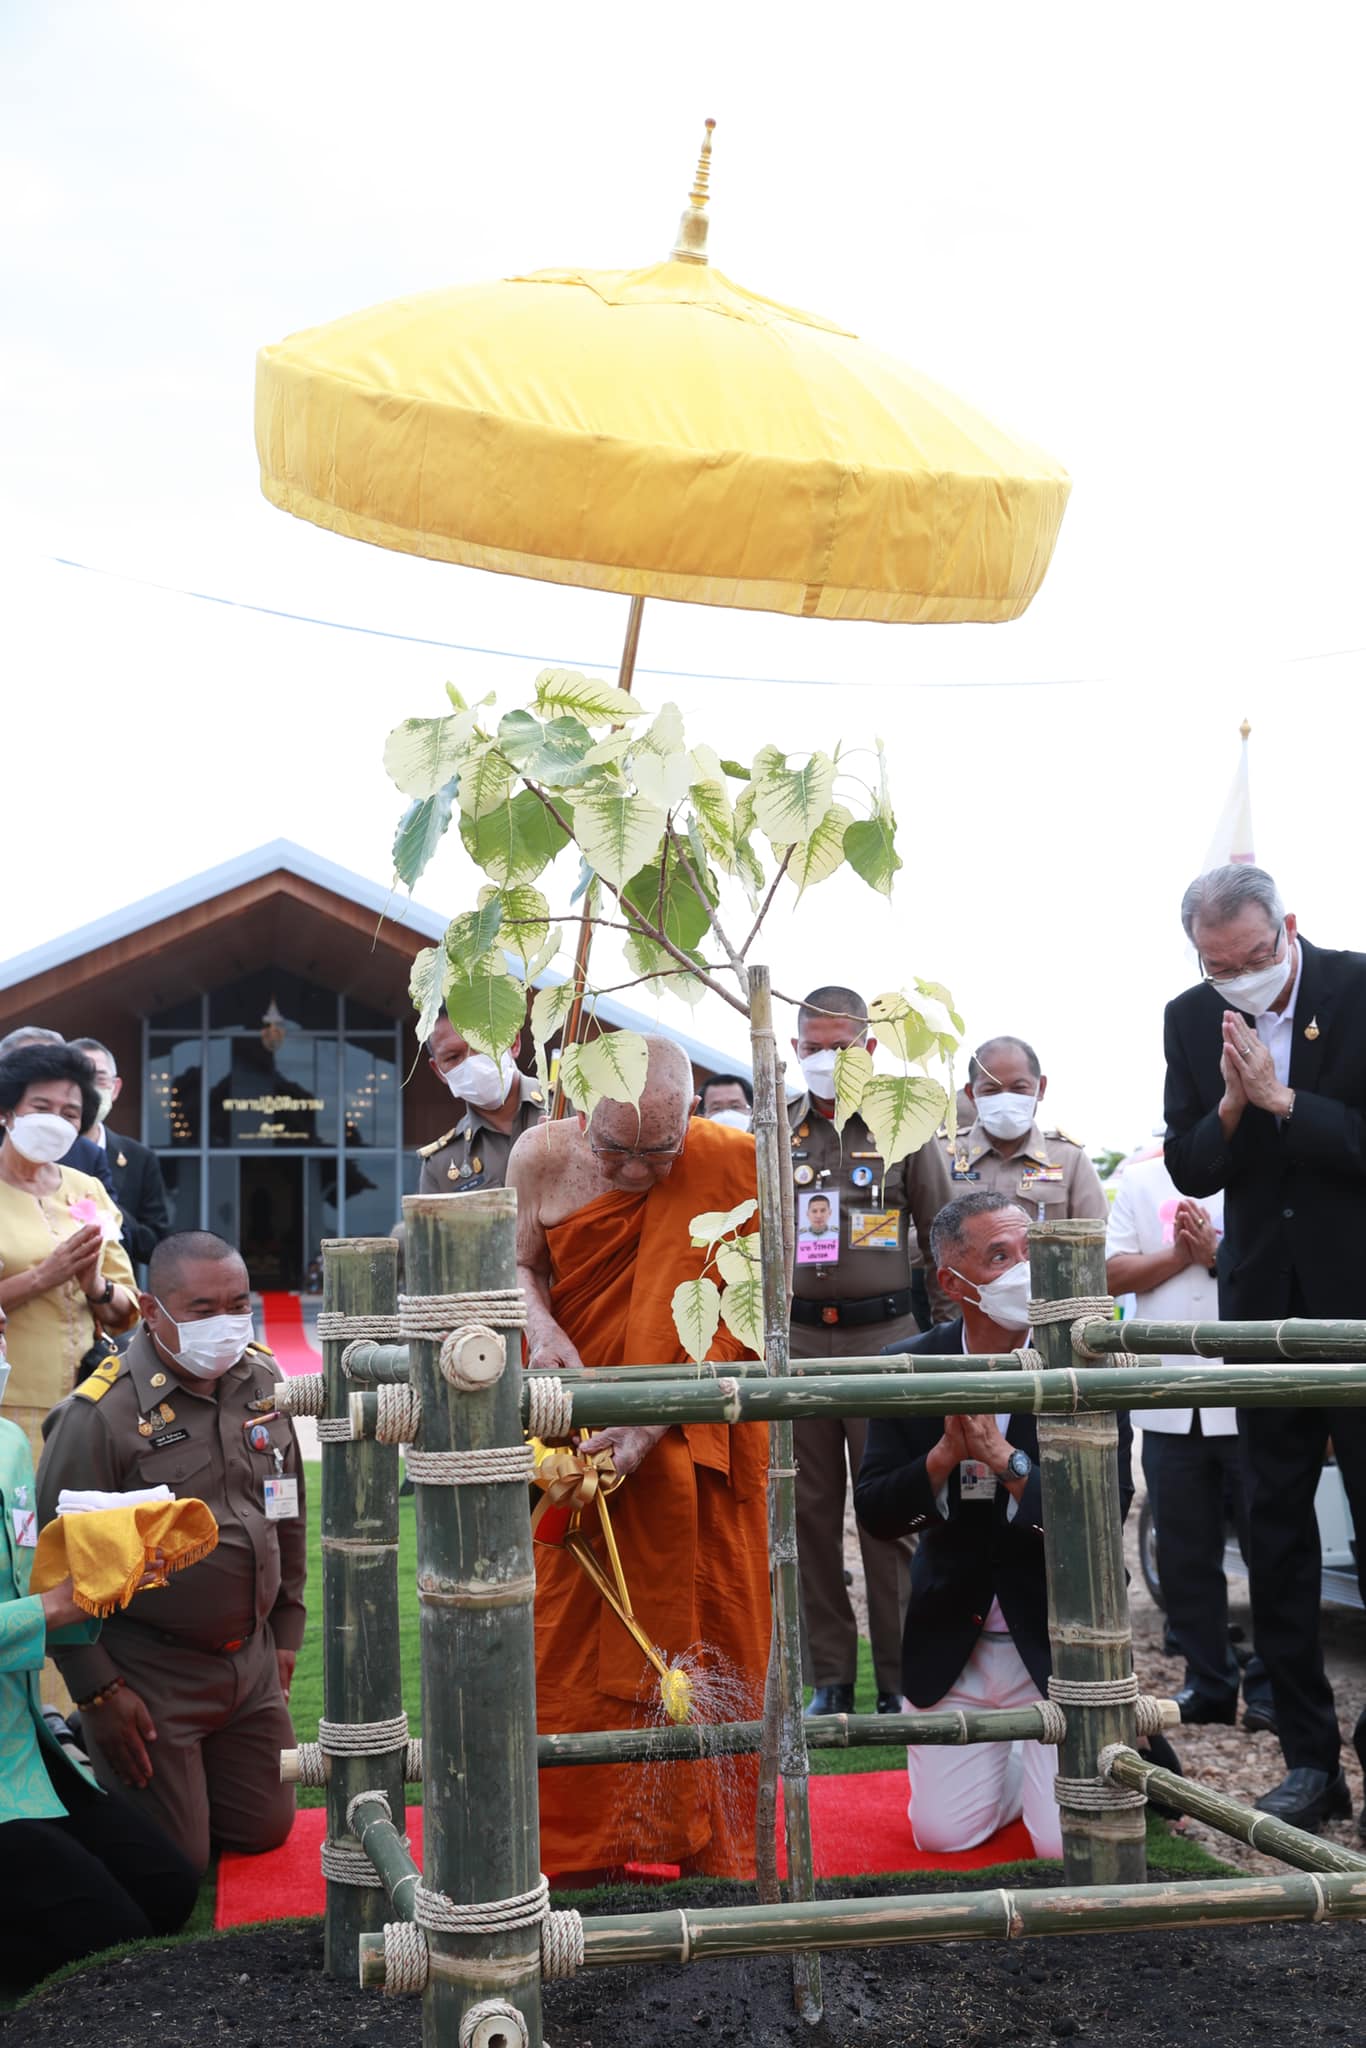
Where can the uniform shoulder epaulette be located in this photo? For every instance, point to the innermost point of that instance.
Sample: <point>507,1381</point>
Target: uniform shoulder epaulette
<point>257,1345</point>
<point>101,1379</point>
<point>437,1144</point>
<point>1066,1137</point>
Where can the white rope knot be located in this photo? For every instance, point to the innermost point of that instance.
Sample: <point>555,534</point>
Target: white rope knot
<point>1095,1795</point>
<point>312,1767</point>
<point>347,1863</point>
<point>1085,1308</point>
<point>398,1414</point>
<point>1093,1692</point>
<point>333,1326</point>
<point>1150,1714</point>
<point>301,1395</point>
<point>437,1315</point>
<point>550,1405</point>
<point>492,2024</point>
<point>407,1959</point>
<point>379,1799</point>
<point>561,1944</point>
<point>336,1429</point>
<point>1028,1361</point>
<point>412,1762</point>
<point>1053,1723</point>
<point>514,1463</point>
<point>472,1357</point>
<point>363,1738</point>
<point>484,1916</point>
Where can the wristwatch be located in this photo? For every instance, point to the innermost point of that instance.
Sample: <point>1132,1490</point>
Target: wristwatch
<point>1019,1465</point>
<point>104,1297</point>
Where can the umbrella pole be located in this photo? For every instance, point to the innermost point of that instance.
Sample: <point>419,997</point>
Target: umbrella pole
<point>573,1022</point>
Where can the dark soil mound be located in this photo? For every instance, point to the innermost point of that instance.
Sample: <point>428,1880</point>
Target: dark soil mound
<point>1278,1986</point>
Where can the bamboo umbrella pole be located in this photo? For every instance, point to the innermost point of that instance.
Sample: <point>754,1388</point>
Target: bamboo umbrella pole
<point>693,1935</point>
<point>476,1586</point>
<point>383,1843</point>
<point>358,1518</point>
<point>773,1165</point>
<point>574,1020</point>
<point>1088,1611</point>
<point>1314,1339</point>
<point>1259,1830</point>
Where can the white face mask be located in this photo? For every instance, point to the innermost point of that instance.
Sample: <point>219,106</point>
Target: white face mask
<point>42,1137</point>
<point>4,1374</point>
<point>1006,1298</point>
<point>818,1072</point>
<point>1007,1115</point>
<point>1257,991</point>
<point>737,1119</point>
<point>209,1348</point>
<point>106,1104</point>
<point>480,1082</point>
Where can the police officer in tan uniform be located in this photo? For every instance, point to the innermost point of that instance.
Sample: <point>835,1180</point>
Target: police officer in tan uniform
<point>183,1697</point>
<point>1004,1151</point>
<point>852,1296</point>
<point>500,1103</point>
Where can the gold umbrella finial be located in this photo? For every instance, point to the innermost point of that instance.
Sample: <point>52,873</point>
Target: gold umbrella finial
<point>691,246</point>
<point>1245,729</point>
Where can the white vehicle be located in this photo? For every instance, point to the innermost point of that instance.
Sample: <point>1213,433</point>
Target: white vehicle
<point>1337,1538</point>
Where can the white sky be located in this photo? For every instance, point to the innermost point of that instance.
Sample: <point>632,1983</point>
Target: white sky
<point>1134,235</point>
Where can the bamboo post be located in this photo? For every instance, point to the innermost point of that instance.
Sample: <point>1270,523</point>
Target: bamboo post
<point>1311,1339</point>
<point>362,1677</point>
<point>476,1585</point>
<point>773,1166</point>
<point>1088,1613</point>
<point>1259,1830</point>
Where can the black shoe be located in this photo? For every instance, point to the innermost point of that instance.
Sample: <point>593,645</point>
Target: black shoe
<point>832,1699</point>
<point>1259,1716</point>
<point>890,1703</point>
<point>1156,1749</point>
<point>1198,1707</point>
<point>1305,1797</point>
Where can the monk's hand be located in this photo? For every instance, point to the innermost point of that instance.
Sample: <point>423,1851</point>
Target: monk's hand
<point>551,1351</point>
<point>630,1444</point>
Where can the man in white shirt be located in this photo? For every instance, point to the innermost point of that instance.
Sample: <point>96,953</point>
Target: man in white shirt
<point>1162,1248</point>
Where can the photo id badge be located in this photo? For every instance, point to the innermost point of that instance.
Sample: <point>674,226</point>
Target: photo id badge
<point>282,1499</point>
<point>25,1527</point>
<point>818,1228</point>
<point>874,1230</point>
<point>976,1481</point>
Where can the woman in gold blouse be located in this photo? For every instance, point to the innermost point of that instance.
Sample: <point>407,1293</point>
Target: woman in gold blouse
<point>64,1275</point>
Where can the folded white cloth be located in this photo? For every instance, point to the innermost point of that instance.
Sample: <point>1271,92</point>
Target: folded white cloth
<point>74,1500</point>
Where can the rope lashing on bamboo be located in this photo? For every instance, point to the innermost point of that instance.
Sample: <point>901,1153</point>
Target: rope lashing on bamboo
<point>304,1394</point>
<point>498,1467</point>
<point>469,1326</point>
<point>1149,1718</point>
<point>1093,1692</point>
<point>1095,1795</point>
<point>561,1944</point>
<point>347,1863</point>
<point>333,1327</point>
<point>1028,1361</point>
<point>1079,1310</point>
<point>379,1798</point>
<point>360,1738</point>
<point>335,1429</point>
<point>550,1406</point>
<point>310,1762</point>
<point>1053,1728</point>
<point>493,2019</point>
<point>486,1916</point>
<point>398,1414</point>
<point>407,1959</point>
<point>412,1761</point>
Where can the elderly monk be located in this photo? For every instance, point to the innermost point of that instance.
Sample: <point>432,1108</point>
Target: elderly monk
<point>604,1205</point>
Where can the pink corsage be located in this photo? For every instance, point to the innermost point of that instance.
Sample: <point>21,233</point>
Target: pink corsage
<point>85,1209</point>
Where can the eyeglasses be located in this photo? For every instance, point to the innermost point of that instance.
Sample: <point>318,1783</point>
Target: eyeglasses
<point>1265,958</point>
<point>651,1154</point>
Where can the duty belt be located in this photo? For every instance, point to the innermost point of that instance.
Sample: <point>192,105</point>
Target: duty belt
<point>175,1642</point>
<point>875,1308</point>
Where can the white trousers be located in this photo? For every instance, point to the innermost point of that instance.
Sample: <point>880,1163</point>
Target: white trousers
<point>961,1795</point>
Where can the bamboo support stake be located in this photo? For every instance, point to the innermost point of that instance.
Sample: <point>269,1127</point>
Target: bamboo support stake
<point>1311,1339</point>
<point>358,1519</point>
<point>383,1843</point>
<point>1259,1830</point>
<point>773,1165</point>
<point>476,1585</point>
<point>1088,1612</point>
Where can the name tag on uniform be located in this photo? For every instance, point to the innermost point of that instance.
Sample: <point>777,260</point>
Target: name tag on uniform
<point>282,1499</point>
<point>1033,1174</point>
<point>874,1230</point>
<point>25,1522</point>
<point>976,1481</point>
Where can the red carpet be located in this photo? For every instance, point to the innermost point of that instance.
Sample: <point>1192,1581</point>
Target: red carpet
<point>858,1825</point>
<point>283,1317</point>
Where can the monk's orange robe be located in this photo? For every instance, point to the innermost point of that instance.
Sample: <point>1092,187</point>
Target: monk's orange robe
<point>691,1527</point>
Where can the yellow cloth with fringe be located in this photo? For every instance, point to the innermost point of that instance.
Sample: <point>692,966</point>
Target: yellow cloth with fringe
<point>109,1555</point>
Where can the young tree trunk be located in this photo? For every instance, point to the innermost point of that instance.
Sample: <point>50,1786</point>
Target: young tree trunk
<point>362,1678</point>
<point>775,1212</point>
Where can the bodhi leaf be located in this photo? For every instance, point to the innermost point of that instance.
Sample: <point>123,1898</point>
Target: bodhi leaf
<point>697,1313</point>
<point>565,690</point>
<point>611,1068</point>
<point>617,833</point>
<point>712,808</point>
<point>791,802</point>
<point>485,781</point>
<point>554,753</point>
<point>660,764</point>
<point>525,921</point>
<point>423,753</point>
<point>426,985</point>
<point>549,1008</point>
<point>737,1260</point>
<point>487,1009</point>
<point>419,833</point>
<point>902,1028</point>
<point>668,977</point>
<point>823,851</point>
<point>901,1111</point>
<point>870,849</point>
<point>470,936</point>
<point>714,1224</point>
<point>742,1310</point>
<point>545,953</point>
<point>853,1072</point>
<point>937,993</point>
<point>685,919</point>
<point>514,843</point>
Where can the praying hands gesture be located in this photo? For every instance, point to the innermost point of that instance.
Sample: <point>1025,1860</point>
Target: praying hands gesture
<point>1249,1075</point>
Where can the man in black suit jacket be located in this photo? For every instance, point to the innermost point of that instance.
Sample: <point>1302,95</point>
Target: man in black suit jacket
<point>976,1630</point>
<point>134,1169</point>
<point>1266,1099</point>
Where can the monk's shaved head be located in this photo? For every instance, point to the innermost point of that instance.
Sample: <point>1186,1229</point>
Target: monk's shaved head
<point>660,1123</point>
